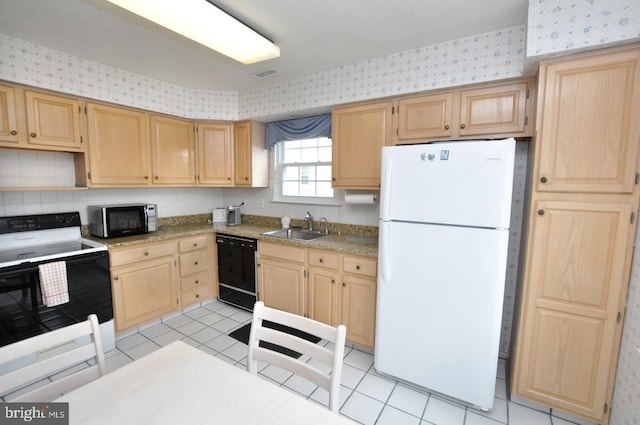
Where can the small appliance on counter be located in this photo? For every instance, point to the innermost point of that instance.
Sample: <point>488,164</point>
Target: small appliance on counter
<point>112,221</point>
<point>233,215</point>
<point>219,215</point>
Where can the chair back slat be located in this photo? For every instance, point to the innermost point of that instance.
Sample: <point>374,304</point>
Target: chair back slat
<point>330,356</point>
<point>74,352</point>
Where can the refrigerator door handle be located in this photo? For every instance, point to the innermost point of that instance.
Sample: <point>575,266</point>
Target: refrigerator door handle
<point>383,250</point>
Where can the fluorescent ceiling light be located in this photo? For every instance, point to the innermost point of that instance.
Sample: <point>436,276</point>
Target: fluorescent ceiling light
<point>201,21</point>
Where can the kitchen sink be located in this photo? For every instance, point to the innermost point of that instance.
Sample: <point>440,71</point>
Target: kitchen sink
<point>297,234</point>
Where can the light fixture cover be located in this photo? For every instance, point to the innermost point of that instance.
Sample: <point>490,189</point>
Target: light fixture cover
<point>204,23</point>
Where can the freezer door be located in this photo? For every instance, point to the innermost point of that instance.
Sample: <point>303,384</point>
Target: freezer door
<point>439,307</point>
<point>462,183</point>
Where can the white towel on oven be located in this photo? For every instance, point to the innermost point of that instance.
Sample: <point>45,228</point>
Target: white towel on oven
<point>53,283</point>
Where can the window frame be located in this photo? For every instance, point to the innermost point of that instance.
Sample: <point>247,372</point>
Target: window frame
<point>279,166</point>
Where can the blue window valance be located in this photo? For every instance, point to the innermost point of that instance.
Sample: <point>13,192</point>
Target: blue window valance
<point>298,129</point>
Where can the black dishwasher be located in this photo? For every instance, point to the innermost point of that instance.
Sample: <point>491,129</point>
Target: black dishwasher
<point>237,270</point>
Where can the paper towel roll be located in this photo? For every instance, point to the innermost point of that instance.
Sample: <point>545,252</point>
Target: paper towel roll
<point>360,198</point>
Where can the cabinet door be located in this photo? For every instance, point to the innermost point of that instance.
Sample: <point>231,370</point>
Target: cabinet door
<point>359,309</point>
<point>425,117</point>
<point>588,123</point>
<point>173,151</point>
<point>493,110</point>
<point>143,291</point>
<point>282,285</point>
<point>576,283</point>
<point>119,146</point>
<point>242,153</point>
<point>215,155</point>
<point>8,119</point>
<point>53,121</point>
<point>323,295</point>
<point>358,134</point>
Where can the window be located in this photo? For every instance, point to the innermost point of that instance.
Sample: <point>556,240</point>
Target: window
<point>303,170</point>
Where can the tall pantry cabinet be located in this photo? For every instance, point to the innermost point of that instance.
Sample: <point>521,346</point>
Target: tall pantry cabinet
<point>581,229</point>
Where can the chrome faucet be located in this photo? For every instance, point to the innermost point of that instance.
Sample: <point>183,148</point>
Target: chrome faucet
<point>326,225</point>
<point>309,218</point>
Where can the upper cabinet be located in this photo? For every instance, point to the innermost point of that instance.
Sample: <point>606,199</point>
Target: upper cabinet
<point>500,110</point>
<point>251,157</point>
<point>595,102</point>
<point>358,134</point>
<point>118,146</point>
<point>8,118</point>
<point>54,121</point>
<point>215,155</point>
<point>35,120</point>
<point>173,151</point>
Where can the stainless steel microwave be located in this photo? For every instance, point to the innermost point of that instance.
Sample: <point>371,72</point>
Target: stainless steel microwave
<point>112,221</point>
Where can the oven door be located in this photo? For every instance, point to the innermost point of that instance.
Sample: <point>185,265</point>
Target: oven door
<point>23,314</point>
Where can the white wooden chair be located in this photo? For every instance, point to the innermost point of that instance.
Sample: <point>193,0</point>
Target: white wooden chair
<point>48,354</point>
<point>331,356</point>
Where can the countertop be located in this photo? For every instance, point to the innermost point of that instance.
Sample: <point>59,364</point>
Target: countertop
<point>346,243</point>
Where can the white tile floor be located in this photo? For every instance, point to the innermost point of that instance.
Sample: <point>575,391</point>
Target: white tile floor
<point>367,397</point>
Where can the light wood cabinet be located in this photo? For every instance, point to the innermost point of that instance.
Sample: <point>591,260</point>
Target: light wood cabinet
<point>490,111</point>
<point>325,287</point>
<point>593,103</point>
<point>251,157</point>
<point>281,273</point>
<point>173,151</point>
<point>359,287</point>
<point>196,268</point>
<point>340,288</point>
<point>9,130</point>
<point>144,283</point>
<point>215,154</point>
<point>54,121</point>
<point>358,134</point>
<point>581,232</point>
<point>119,146</point>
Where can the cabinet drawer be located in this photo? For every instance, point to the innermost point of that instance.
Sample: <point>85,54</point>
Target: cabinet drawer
<point>195,296</point>
<point>284,252</point>
<point>191,244</point>
<point>323,259</point>
<point>194,262</point>
<point>198,280</point>
<point>360,265</point>
<point>122,256</point>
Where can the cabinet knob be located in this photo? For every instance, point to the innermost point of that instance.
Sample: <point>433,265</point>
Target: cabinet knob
<point>246,178</point>
<point>321,260</point>
<point>446,127</point>
<point>197,281</point>
<point>33,135</point>
<point>333,281</point>
<point>462,126</point>
<point>146,177</point>
<point>146,253</point>
<point>195,245</point>
<point>358,267</point>
<point>197,295</point>
<point>155,177</point>
<point>13,132</point>
<point>228,178</point>
<point>543,179</point>
<point>116,278</point>
<point>333,179</point>
<point>195,263</point>
<point>540,212</point>
<point>344,284</point>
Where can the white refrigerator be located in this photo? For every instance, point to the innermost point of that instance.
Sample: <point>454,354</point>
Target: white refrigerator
<point>444,231</point>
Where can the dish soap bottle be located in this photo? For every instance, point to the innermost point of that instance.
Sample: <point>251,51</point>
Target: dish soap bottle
<point>286,221</point>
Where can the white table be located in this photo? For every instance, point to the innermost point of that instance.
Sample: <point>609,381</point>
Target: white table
<point>179,384</point>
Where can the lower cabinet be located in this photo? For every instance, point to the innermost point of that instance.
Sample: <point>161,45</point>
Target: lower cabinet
<point>144,284</point>
<point>195,259</point>
<point>156,279</point>
<point>281,277</point>
<point>327,286</point>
